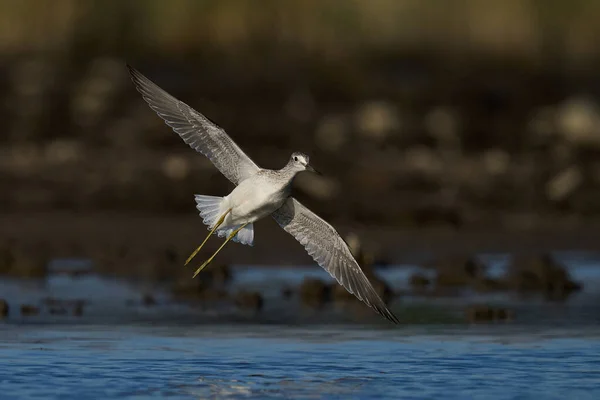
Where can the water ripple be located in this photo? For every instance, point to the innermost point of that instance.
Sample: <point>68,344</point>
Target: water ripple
<point>127,362</point>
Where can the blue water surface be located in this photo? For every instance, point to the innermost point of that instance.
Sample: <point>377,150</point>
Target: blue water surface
<point>119,349</point>
<point>334,362</point>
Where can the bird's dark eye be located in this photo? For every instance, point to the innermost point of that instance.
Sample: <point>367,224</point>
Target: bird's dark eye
<point>295,158</point>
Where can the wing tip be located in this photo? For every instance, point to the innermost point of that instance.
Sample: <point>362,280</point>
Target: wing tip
<point>380,306</point>
<point>132,71</point>
<point>136,76</point>
<point>390,316</point>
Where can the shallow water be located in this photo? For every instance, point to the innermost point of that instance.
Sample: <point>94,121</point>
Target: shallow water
<point>258,361</point>
<point>120,349</point>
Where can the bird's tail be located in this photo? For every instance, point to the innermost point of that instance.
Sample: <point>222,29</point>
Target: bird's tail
<point>210,208</point>
<point>244,235</point>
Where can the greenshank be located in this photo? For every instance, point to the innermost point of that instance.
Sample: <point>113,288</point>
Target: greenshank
<point>259,193</point>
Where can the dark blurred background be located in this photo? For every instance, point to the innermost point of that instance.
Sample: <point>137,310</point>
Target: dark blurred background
<point>440,127</point>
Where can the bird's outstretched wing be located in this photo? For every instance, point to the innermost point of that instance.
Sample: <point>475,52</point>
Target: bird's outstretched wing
<point>328,249</point>
<point>196,130</point>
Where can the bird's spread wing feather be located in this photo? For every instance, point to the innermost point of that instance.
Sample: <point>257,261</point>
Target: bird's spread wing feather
<point>328,249</point>
<point>196,130</point>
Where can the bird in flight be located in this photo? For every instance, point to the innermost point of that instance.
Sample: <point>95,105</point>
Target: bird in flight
<point>259,193</point>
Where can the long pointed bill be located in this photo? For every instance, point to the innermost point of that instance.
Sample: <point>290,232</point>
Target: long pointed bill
<point>218,250</point>
<point>311,169</point>
<point>219,222</point>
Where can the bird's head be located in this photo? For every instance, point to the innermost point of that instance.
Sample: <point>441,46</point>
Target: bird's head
<point>299,161</point>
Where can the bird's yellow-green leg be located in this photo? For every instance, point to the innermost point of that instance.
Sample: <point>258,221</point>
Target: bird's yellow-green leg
<point>214,228</point>
<point>218,250</point>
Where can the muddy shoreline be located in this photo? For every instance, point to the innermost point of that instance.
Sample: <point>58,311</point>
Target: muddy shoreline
<point>92,235</point>
<point>149,251</point>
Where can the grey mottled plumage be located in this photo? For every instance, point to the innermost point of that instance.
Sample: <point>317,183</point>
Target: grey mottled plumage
<point>196,130</point>
<point>259,193</point>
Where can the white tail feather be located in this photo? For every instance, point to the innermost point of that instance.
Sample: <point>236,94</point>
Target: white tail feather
<point>210,208</point>
<point>210,211</point>
<point>244,236</point>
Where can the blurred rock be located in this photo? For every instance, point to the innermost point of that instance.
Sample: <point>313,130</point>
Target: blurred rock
<point>57,311</point>
<point>543,124</point>
<point>442,124</point>
<point>157,267</point>
<point>166,263</point>
<point>496,162</point>
<point>52,302</point>
<point>287,293</point>
<point>486,285</point>
<point>4,309</point>
<point>579,121</point>
<point>215,275</point>
<point>57,306</point>
<point>78,309</point>
<point>332,133</point>
<point>148,300</point>
<point>480,313</point>
<point>459,271</point>
<point>249,300</point>
<point>23,160</point>
<point>63,151</point>
<point>29,310</point>
<point>212,295</point>
<point>17,263</point>
<point>564,184</point>
<point>376,120</point>
<point>423,160</point>
<point>171,255</point>
<point>314,292</point>
<point>419,282</point>
<point>484,313</point>
<point>185,286</point>
<point>541,274</point>
<point>176,167</point>
<point>93,95</point>
<point>197,290</point>
<point>504,314</point>
<point>220,274</point>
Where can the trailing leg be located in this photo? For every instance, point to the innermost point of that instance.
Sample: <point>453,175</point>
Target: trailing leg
<point>219,249</point>
<point>214,228</point>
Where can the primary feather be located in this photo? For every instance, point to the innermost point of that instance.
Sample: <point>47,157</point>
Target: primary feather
<point>328,249</point>
<point>196,130</point>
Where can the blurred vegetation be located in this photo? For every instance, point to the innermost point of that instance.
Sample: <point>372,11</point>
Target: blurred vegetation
<point>460,112</point>
<point>532,30</point>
